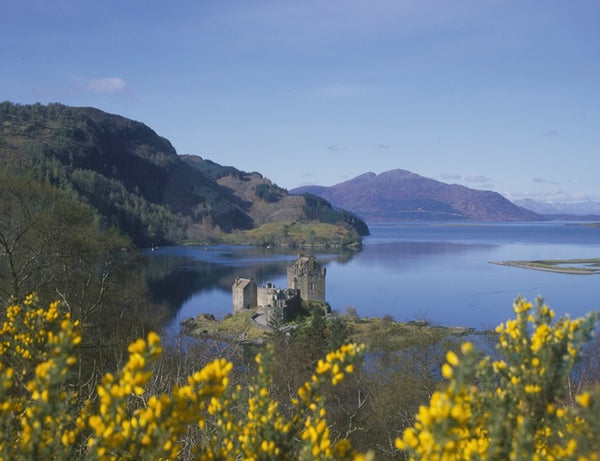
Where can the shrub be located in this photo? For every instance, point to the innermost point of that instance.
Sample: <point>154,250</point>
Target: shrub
<point>42,419</point>
<point>516,406</point>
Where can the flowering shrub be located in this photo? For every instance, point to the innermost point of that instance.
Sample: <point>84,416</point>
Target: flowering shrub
<point>515,407</point>
<point>41,419</point>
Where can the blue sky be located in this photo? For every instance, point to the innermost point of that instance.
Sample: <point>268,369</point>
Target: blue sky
<point>501,95</point>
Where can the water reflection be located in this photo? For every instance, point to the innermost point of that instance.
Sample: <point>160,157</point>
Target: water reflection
<point>398,255</point>
<point>203,275</point>
<point>403,270</point>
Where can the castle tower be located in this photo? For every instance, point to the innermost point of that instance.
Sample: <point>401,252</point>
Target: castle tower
<point>307,276</point>
<point>243,293</point>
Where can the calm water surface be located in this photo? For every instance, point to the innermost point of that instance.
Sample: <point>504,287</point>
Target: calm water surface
<point>438,272</point>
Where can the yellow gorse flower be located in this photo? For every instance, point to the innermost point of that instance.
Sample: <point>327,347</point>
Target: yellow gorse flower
<point>514,412</point>
<point>506,408</point>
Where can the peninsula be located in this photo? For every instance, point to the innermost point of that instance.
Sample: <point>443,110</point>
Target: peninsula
<point>564,266</point>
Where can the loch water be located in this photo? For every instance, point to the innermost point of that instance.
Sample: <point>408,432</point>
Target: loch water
<point>439,272</point>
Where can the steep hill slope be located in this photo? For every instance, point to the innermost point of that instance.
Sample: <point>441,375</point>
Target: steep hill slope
<point>135,179</point>
<point>132,176</point>
<point>399,195</point>
<point>265,202</point>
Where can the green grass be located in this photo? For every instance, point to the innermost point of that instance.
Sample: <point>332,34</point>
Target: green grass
<point>237,327</point>
<point>294,234</point>
<point>381,334</point>
<point>375,333</point>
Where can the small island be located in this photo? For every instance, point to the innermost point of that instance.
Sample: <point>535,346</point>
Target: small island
<point>260,311</point>
<point>565,266</point>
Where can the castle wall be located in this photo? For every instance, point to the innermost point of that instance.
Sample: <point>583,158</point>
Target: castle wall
<point>265,296</point>
<point>283,304</point>
<point>244,294</point>
<point>308,276</point>
<point>305,281</point>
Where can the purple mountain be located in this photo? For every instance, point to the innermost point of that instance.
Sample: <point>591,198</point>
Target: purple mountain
<point>399,195</point>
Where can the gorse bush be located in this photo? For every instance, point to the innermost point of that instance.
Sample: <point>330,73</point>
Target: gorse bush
<point>513,406</point>
<point>36,406</point>
<point>517,405</point>
<point>40,418</point>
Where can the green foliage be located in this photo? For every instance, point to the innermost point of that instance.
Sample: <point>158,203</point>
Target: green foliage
<point>130,175</point>
<point>320,209</point>
<point>517,405</point>
<point>211,169</point>
<point>137,182</point>
<point>295,234</point>
<point>53,245</point>
<point>338,332</point>
<point>44,237</point>
<point>42,417</point>
<point>267,192</point>
<point>276,319</point>
<point>514,406</point>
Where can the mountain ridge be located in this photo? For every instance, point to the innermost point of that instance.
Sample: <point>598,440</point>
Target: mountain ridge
<point>401,195</point>
<point>137,182</point>
<point>588,209</point>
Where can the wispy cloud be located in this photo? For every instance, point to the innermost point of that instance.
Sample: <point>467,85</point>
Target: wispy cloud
<point>316,22</point>
<point>383,146</point>
<point>334,148</point>
<point>343,90</point>
<point>551,134</point>
<point>478,179</point>
<point>450,176</point>
<point>105,85</point>
<point>544,181</point>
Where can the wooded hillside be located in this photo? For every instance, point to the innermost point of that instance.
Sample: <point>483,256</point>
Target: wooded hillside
<point>135,179</point>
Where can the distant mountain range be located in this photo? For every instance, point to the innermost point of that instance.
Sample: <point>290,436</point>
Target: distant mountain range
<point>136,181</point>
<point>399,195</point>
<point>579,210</point>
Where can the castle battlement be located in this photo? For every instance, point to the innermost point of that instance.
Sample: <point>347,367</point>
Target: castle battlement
<point>305,281</point>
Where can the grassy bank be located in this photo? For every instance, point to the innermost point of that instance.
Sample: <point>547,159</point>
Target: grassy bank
<point>295,234</point>
<point>377,333</point>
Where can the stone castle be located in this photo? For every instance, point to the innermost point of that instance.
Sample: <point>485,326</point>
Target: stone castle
<point>305,282</point>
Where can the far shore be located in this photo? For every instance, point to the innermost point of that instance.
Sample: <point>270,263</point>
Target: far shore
<point>584,266</point>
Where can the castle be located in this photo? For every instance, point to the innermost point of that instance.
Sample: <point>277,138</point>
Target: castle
<point>307,276</point>
<point>305,282</point>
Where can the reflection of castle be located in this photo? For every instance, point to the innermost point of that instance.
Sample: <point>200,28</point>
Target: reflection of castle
<point>305,281</point>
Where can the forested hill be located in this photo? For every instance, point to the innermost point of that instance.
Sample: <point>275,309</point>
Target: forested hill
<point>399,195</point>
<point>134,178</point>
<point>266,202</point>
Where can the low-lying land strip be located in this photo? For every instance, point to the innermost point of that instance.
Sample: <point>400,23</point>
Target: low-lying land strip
<point>565,266</point>
<point>381,333</point>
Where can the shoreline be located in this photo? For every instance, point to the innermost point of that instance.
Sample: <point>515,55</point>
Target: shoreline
<point>551,266</point>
